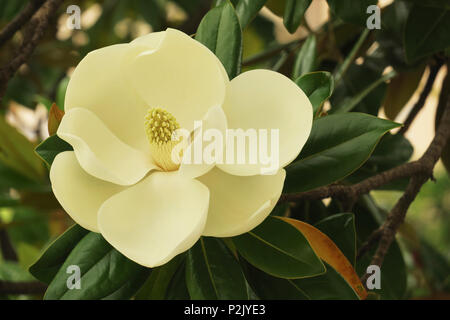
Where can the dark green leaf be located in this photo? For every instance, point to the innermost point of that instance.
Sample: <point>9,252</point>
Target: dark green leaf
<point>306,58</point>
<point>221,33</point>
<point>279,249</point>
<point>337,146</point>
<point>46,268</point>
<point>155,288</point>
<point>329,286</point>
<point>294,13</point>
<point>426,32</point>
<point>213,273</point>
<point>432,3</point>
<point>351,11</point>
<point>105,273</point>
<point>341,229</point>
<point>318,86</point>
<point>247,10</point>
<point>177,289</point>
<point>51,147</point>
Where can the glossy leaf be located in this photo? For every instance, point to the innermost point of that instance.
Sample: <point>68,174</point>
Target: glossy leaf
<point>327,250</point>
<point>221,32</point>
<point>47,266</point>
<point>247,10</point>
<point>51,147</point>
<point>318,86</point>
<point>156,286</point>
<point>306,60</point>
<point>426,32</point>
<point>279,249</point>
<point>351,11</point>
<point>392,151</point>
<point>338,145</point>
<point>105,273</point>
<point>294,13</point>
<point>212,272</point>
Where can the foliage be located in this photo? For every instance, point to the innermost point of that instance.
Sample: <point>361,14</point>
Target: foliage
<point>306,249</point>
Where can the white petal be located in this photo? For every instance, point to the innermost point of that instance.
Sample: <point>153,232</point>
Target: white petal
<point>157,219</point>
<point>262,99</point>
<point>181,76</point>
<point>207,146</point>
<point>79,193</point>
<point>98,84</point>
<point>100,152</point>
<point>239,204</point>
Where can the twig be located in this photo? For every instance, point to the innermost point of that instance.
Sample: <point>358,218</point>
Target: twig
<point>16,288</point>
<point>17,23</point>
<point>398,213</point>
<point>35,31</point>
<point>434,70</point>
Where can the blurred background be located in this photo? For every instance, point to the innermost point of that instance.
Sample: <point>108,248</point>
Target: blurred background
<point>30,217</point>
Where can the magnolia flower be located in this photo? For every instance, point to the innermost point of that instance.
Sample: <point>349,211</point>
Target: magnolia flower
<point>122,104</point>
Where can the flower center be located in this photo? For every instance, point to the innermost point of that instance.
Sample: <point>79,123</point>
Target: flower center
<point>160,126</point>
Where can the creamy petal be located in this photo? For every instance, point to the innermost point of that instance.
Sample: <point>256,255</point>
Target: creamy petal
<point>263,99</point>
<point>98,84</point>
<point>239,204</point>
<point>181,76</point>
<point>207,145</point>
<point>100,152</point>
<point>79,193</point>
<point>157,219</point>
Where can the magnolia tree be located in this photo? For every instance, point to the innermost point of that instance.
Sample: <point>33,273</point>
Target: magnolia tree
<point>192,152</point>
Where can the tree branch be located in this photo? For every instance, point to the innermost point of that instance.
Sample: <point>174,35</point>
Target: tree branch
<point>17,23</point>
<point>397,215</point>
<point>34,33</point>
<point>16,288</point>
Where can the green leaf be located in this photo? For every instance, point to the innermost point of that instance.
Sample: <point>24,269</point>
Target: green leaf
<point>51,147</point>
<point>318,86</point>
<point>212,272</point>
<point>294,13</point>
<point>105,273</point>
<point>279,249</point>
<point>247,10</point>
<point>17,152</point>
<point>177,289</point>
<point>351,11</point>
<point>392,151</point>
<point>328,286</point>
<point>306,58</point>
<point>337,146</point>
<point>426,32</point>
<point>357,80</point>
<point>155,288</point>
<point>47,266</point>
<point>341,229</point>
<point>349,103</point>
<point>220,31</point>
<point>267,287</point>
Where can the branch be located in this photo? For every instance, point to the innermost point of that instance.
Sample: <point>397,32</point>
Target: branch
<point>16,288</point>
<point>397,215</point>
<point>33,35</point>
<point>17,23</point>
<point>434,70</point>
